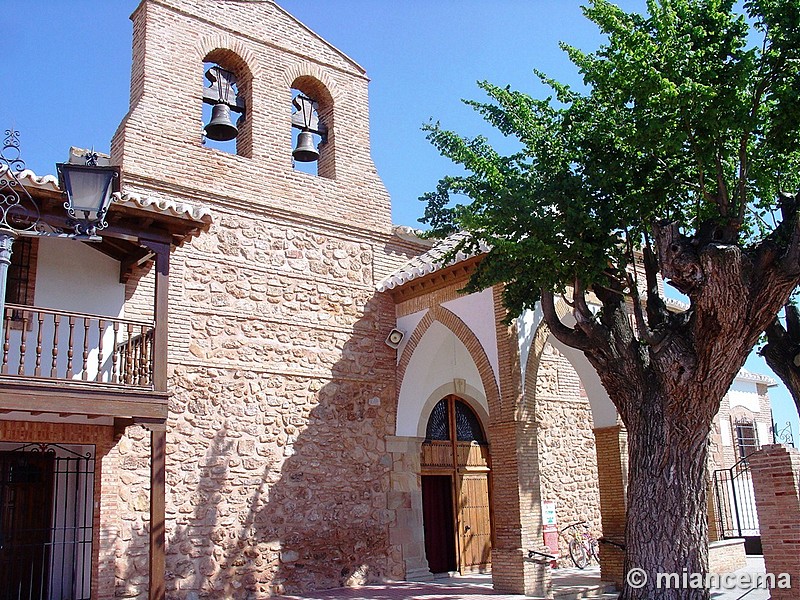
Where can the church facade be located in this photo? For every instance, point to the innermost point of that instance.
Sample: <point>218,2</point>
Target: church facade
<point>320,405</point>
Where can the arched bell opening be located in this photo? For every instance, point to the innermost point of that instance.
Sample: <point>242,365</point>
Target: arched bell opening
<point>312,127</point>
<point>227,84</point>
<point>456,489</point>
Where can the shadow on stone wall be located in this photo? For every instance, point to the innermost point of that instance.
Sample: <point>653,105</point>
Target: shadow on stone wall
<point>279,483</point>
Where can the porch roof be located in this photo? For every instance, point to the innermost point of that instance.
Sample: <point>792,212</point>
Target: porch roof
<point>429,262</point>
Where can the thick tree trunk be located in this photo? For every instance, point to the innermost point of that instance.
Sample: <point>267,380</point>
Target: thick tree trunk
<point>667,528</point>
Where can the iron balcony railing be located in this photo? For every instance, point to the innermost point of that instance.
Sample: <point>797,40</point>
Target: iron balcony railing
<point>49,344</point>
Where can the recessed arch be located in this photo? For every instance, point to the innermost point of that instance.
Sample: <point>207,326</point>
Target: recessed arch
<point>471,343</point>
<point>314,88</point>
<point>239,61</point>
<point>604,414</point>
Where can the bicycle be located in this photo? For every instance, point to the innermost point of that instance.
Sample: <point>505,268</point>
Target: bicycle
<point>583,547</point>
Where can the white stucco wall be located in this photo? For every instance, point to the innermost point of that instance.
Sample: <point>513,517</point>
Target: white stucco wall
<point>76,277</point>
<point>745,393</point>
<point>73,277</point>
<point>407,324</point>
<point>438,361</point>
<point>477,312</point>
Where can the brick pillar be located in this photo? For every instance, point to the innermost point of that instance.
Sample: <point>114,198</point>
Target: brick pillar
<point>406,533</point>
<point>713,525</point>
<point>611,444</point>
<point>517,514</point>
<point>776,483</point>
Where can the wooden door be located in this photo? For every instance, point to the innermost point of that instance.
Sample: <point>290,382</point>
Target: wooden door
<point>26,489</point>
<point>474,526</point>
<point>438,520</point>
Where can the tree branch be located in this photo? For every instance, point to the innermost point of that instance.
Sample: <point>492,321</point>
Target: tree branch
<point>564,334</point>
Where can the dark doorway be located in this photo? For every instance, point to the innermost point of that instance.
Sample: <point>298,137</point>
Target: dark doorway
<point>438,523</point>
<point>26,488</point>
<point>46,533</point>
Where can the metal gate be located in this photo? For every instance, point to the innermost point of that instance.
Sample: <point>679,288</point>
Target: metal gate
<point>736,505</point>
<point>46,501</point>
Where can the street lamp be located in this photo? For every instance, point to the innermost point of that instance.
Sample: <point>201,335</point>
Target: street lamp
<point>88,188</point>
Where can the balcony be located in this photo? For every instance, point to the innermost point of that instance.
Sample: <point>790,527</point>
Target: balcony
<point>78,363</point>
<point>63,346</point>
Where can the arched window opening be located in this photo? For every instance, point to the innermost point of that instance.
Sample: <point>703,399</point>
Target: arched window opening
<point>312,127</point>
<point>225,106</point>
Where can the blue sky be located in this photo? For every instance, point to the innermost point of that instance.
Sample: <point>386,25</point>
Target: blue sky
<point>66,73</point>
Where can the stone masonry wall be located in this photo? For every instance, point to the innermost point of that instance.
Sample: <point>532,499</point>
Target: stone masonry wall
<point>568,460</point>
<point>282,397</point>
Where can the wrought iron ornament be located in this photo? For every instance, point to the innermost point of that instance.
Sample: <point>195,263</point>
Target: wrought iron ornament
<point>18,211</point>
<point>784,435</point>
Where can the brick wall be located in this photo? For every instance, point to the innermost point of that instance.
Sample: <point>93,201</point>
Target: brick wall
<point>776,481</point>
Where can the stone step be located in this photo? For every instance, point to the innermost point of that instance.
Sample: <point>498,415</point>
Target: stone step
<point>602,590</point>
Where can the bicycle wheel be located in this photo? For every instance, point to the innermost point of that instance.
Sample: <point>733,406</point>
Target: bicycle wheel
<point>594,550</point>
<point>577,552</point>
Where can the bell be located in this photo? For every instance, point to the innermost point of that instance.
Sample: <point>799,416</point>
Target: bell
<point>305,151</point>
<point>220,129</point>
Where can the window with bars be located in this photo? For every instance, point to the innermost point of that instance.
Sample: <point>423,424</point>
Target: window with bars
<point>467,425</point>
<point>746,437</point>
<point>19,288</point>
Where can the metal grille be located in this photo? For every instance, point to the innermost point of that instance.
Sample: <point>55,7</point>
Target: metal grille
<point>439,422</point>
<point>746,437</point>
<point>736,502</point>
<point>468,428</point>
<point>46,501</point>
<point>19,272</point>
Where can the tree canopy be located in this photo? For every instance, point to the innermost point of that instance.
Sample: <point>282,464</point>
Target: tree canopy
<point>690,116</point>
<point>680,159</point>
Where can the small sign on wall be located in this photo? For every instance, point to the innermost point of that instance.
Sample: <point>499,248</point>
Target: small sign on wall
<point>549,530</point>
<point>549,513</point>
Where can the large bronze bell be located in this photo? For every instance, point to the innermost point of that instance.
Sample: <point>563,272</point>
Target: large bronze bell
<point>305,150</point>
<point>221,129</point>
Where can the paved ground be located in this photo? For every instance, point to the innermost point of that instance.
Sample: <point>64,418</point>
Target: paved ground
<point>567,583</point>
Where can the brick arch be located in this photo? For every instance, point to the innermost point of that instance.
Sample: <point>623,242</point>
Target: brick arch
<point>229,53</point>
<point>528,400</point>
<point>240,55</point>
<point>471,342</point>
<point>600,404</point>
<point>315,83</point>
<point>306,71</point>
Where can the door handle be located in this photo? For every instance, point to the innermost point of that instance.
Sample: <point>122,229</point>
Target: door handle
<point>467,528</point>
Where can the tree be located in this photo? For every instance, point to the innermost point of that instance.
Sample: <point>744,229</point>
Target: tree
<point>682,150</point>
<point>782,350</point>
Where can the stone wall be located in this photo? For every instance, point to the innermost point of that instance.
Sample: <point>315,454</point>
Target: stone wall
<point>568,460</point>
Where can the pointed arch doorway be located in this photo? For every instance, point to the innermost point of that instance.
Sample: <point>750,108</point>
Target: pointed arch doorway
<point>455,469</point>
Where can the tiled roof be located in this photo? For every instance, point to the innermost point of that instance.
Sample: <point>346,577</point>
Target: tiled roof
<point>178,209</point>
<point>29,179</point>
<point>429,262</point>
<point>756,377</point>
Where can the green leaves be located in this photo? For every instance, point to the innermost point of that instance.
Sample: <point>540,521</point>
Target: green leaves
<point>684,120</point>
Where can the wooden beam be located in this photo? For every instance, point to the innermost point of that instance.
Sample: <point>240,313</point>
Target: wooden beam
<point>58,398</point>
<point>158,453</point>
<point>120,425</point>
<point>160,311</point>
